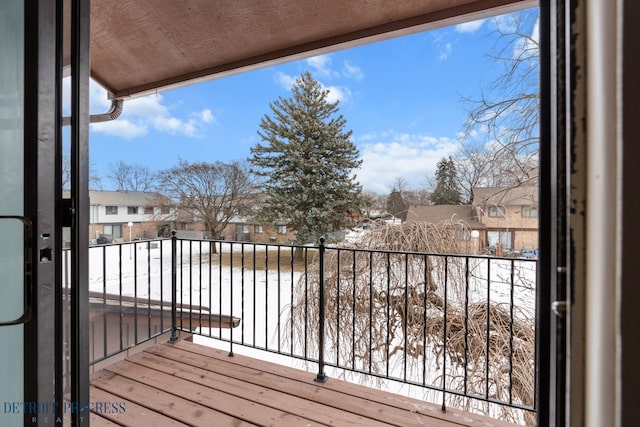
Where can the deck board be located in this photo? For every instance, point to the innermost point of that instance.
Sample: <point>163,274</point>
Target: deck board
<point>189,384</point>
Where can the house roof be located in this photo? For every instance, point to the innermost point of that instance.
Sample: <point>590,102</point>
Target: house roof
<point>126,198</point>
<point>439,213</point>
<point>517,196</point>
<point>141,46</point>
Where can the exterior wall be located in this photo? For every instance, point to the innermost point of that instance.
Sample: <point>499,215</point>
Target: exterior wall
<point>269,234</point>
<point>525,239</point>
<point>512,219</point>
<point>524,229</point>
<point>145,225</point>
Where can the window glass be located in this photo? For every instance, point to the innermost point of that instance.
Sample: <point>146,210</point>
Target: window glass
<point>496,211</point>
<point>132,210</point>
<point>111,210</point>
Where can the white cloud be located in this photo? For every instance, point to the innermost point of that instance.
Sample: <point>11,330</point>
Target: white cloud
<point>284,80</point>
<point>506,23</point>
<point>140,115</point>
<point>469,27</point>
<point>120,128</point>
<point>206,116</point>
<point>321,66</point>
<point>352,71</point>
<point>336,93</point>
<point>391,155</point>
<point>445,51</point>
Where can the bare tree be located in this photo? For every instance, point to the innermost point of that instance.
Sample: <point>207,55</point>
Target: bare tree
<point>95,183</point>
<point>209,192</point>
<point>128,177</point>
<point>502,127</point>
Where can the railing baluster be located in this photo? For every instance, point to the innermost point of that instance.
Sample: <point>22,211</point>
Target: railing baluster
<point>353,313</point>
<point>291,292</point>
<point>405,322</point>
<point>135,292</point>
<point>120,295</point>
<point>338,314</point>
<point>370,310</point>
<point>279,302</point>
<point>266,298</point>
<point>230,298</point>
<point>200,286</point>
<point>212,245</point>
<point>148,290</point>
<point>466,323</point>
<point>488,331</point>
<point>174,289</point>
<point>161,244</point>
<point>242,293</point>
<point>104,299</point>
<point>424,320</point>
<point>511,296</point>
<point>444,333</point>
<point>321,377</point>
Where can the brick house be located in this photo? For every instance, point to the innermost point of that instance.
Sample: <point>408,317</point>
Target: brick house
<point>510,216</point>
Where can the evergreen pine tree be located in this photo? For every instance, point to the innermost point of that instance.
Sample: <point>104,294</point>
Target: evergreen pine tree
<point>306,162</point>
<point>396,205</point>
<point>447,191</point>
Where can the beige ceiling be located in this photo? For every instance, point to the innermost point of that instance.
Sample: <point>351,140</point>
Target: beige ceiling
<point>140,46</point>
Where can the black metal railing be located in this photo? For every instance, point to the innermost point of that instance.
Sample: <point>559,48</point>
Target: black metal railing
<point>130,297</point>
<point>458,329</point>
<point>457,326</point>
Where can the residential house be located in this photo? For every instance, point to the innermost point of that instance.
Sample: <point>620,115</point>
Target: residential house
<point>110,213</point>
<point>510,216</point>
<point>250,230</point>
<point>463,217</point>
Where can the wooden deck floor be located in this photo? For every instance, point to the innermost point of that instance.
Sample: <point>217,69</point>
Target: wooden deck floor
<point>189,384</point>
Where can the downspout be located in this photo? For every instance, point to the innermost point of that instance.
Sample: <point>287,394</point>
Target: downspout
<point>113,113</point>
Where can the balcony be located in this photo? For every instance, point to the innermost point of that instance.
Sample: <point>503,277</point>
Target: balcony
<point>402,338</point>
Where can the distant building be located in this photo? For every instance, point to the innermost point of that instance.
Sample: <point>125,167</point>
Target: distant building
<point>510,216</point>
<point>462,217</point>
<point>110,213</point>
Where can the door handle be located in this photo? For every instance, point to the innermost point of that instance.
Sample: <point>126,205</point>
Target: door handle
<point>26,268</point>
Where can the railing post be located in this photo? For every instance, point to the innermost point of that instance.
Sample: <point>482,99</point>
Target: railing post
<point>321,377</point>
<point>174,292</point>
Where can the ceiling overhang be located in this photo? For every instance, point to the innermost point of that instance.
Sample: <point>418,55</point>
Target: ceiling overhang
<point>143,46</point>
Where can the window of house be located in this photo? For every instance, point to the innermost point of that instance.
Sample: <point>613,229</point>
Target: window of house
<point>281,229</point>
<point>463,234</point>
<point>148,210</point>
<point>164,209</point>
<point>504,237</point>
<point>111,210</point>
<point>114,230</point>
<point>496,211</point>
<point>257,229</point>
<point>530,212</point>
<point>132,210</point>
<point>242,228</point>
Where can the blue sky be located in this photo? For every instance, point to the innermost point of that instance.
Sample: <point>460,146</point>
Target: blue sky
<point>400,97</point>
